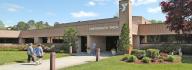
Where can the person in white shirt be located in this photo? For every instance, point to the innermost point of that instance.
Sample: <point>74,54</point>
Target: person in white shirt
<point>30,53</point>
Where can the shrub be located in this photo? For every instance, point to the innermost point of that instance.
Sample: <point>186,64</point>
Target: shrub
<point>131,58</point>
<point>139,53</point>
<point>161,60</point>
<point>171,58</point>
<point>163,56</point>
<point>124,59</point>
<point>167,48</point>
<point>178,59</point>
<point>152,53</point>
<point>146,60</point>
<point>12,48</point>
<point>155,60</point>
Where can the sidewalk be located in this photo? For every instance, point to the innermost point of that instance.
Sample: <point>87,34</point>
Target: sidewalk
<point>60,63</point>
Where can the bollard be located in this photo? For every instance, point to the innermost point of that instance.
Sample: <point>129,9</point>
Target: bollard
<point>70,50</point>
<point>97,54</point>
<point>52,61</point>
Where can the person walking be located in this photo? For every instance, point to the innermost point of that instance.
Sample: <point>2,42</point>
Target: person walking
<point>39,54</point>
<point>30,53</point>
<point>94,49</point>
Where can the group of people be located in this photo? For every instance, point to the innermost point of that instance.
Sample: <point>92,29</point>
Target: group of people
<point>35,54</point>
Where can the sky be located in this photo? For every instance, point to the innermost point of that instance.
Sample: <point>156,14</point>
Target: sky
<point>64,11</point>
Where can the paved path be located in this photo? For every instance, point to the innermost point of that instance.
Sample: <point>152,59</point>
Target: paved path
<point>60,63</point>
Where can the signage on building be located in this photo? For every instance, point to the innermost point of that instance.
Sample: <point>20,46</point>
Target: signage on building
<point>123,7</point>
<point>104,28</point>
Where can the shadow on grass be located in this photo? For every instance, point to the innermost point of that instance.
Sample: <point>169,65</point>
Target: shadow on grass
<point>187,59</point>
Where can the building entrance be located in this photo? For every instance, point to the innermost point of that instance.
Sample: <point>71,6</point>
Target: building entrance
<point>111,42</point>
<point>83,44</point>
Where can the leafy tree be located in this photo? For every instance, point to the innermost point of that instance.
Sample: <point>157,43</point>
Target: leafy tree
<point>124,38</point>
<point>56,23</point>
<point>12,27</point>
<point>32,24</point>
<point>46,25</point>
<point>22,26</point>
<point>156,21</point>
<point>39,25</point>
<point>179,15</point>
<point>70,37</point>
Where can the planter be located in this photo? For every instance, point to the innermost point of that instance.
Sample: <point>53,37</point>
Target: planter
<point>88,51</point>
<point>113,52</point>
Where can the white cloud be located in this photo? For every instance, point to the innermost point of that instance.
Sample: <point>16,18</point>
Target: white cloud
<point>143,2</point>
<point>97,2</point>
<point>91,3</point>
<point>13,7</point>
<point>80,14</point>
<point>154,10</point>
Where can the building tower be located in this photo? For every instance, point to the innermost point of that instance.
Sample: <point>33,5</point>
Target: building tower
<point>125,15</point>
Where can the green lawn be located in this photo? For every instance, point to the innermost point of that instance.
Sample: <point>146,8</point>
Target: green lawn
<point>114,63</point>
<point>19,56</point>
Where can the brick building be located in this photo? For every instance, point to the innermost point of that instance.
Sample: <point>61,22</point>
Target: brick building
<point>103,32</point>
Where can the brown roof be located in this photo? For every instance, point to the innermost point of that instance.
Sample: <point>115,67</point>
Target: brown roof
<point>9,34</point>
<point>88,22</point>
<point>154,29</point>
<point>82,27</point>
<point>42,33</point>
<point>139,28</point>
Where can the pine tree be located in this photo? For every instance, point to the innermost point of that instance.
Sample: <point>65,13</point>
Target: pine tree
<point>124,38</point>
<point>70,37</point>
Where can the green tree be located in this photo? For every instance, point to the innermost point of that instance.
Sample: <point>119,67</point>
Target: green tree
<point>156,21</point>
<point>46,25</point>
<point>70,37</point>
<point>31,24</point>
<point>124,39</point>
<point>39,25</point>
<point>22,26</point>
<point>56,23</point>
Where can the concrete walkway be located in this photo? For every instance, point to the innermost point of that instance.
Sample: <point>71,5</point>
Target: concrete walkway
<point>60,63</point>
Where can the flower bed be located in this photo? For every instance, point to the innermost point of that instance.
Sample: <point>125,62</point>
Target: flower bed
<point>151,56</point>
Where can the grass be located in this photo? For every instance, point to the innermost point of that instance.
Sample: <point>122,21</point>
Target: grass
<point>7,57</point>
<point>114,63</point>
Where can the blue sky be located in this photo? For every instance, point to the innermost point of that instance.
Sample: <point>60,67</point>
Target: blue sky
<point>63,11</point>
